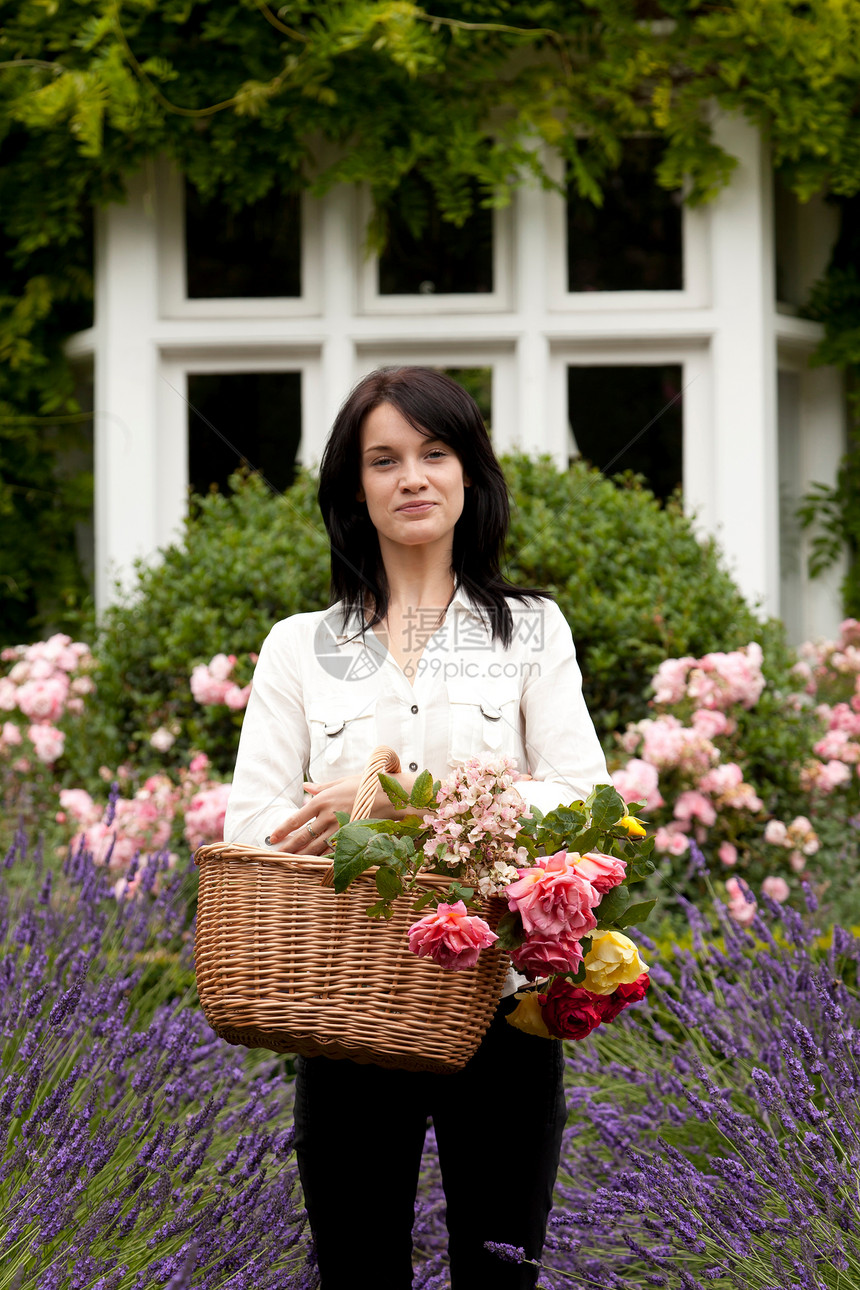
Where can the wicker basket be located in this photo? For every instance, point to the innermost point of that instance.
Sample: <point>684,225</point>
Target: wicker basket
<point>283,962</point>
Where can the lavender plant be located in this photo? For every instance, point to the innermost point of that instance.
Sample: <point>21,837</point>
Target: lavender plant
<point>714,1133</point>
<point>715,1138</point>
<point>136,1149</point>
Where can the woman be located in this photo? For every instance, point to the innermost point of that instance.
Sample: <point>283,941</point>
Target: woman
<point>426,648</point>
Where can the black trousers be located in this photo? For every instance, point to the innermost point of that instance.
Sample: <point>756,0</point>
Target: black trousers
<point>359,1138</point>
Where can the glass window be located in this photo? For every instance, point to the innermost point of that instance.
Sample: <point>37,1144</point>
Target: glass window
<point>633,241</point>
<point>255,420</point>
<point>252,252</point>
<point>620,421</point>
<point>425,255</point>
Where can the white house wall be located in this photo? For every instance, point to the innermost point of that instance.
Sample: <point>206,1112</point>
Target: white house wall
<point>723,328</point>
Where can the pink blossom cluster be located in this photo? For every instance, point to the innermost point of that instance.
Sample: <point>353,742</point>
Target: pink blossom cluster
<point>213,683</point>
<point>687,757</point>
<point>715,681</point>
<point>145,821</point>
<point>798,838</point>
<point>46,680</point>
<point>476,822</point>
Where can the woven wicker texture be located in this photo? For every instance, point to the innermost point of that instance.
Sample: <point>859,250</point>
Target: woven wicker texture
<point>283,962</point>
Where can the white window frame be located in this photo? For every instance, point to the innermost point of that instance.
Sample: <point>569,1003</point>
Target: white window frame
<point>695,257</point>
<point>175,366</point>
<point>173,297</point>
<point>697,452</point>
<point>500,299</point>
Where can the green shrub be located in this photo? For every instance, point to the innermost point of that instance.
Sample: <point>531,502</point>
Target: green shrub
<point>630,575</point>
<point>633,580</point>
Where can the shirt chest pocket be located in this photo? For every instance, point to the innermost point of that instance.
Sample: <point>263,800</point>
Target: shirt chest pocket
<point>342,736</point>
<point>483,721</point>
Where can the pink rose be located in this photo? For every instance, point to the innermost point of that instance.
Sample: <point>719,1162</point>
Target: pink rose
<point>672,840</point>
<point>10,735</point>
<point>236,697</point>
<point>204,818</point>
<point>603,872</point>
<point>775,887</point>
<point>48,742</point>
<point>450,937</point>
<point>206,688</point>
<point>743,911</point>
<point>692,805</point>
<point>552,898</point>
<point>728,854</point>
<point>43,700</point>
<point>78,803</point>
<point>221,666</point>
<point>539,956</point>
<point>637,782</point>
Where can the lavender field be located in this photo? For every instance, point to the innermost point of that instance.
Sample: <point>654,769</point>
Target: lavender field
<point>714,1134</point>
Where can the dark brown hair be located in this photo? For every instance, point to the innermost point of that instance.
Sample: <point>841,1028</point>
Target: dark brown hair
<point>436,405</point>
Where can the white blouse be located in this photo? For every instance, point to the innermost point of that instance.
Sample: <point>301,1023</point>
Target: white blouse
<point>323,698</point>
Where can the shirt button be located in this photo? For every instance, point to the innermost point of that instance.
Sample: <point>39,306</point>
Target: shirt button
<point>413,765</point>
<point>414,707</point>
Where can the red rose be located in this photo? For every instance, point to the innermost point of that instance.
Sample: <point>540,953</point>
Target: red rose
<point>568,1011</point>
<point>610,1005</point>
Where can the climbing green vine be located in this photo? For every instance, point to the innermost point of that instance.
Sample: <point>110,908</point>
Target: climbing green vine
<point>246,97</point>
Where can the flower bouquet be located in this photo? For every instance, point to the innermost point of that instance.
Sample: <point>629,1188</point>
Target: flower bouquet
<point>563,880</point>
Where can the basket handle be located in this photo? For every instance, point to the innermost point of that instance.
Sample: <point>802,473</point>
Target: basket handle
<point>382,759</point>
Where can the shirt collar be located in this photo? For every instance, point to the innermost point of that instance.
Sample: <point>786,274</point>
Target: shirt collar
<point>461,602</point>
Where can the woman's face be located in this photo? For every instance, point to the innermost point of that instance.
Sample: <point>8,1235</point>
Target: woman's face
<point>412,484</point>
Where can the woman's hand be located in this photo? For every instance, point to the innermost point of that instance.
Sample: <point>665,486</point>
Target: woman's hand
<point>295,835</point>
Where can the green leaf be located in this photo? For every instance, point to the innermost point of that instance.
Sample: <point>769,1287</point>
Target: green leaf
<point>510,931</point>
<point>457,891</point>
<point>422,790</point>
<point>606,806</point>
<point>429,898</point>
<point>382,909</point>
<point>635,913</point>
<point>394,791</point>
<point>388,883</point>
<point>342,817</point>
<point>350,854</point>
<point>612,904</point>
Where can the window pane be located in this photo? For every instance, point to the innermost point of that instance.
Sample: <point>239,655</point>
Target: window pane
<point>259,413</point>
<point>425,255</point>
<point>478,381</point>
<point>633,241</point>
<point>252,252</point>
<point>609,409</point>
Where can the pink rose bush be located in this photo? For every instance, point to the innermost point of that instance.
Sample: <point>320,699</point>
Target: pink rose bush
<point>213,683</point>
<point>689,767</point>
<point>147,820</point>
<point>45,681</point>
<point>543,904</point>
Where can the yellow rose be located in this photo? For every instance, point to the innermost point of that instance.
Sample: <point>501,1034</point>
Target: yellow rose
<point>634,828</point>
<point>613,960</point>
<point>526,1015</point>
